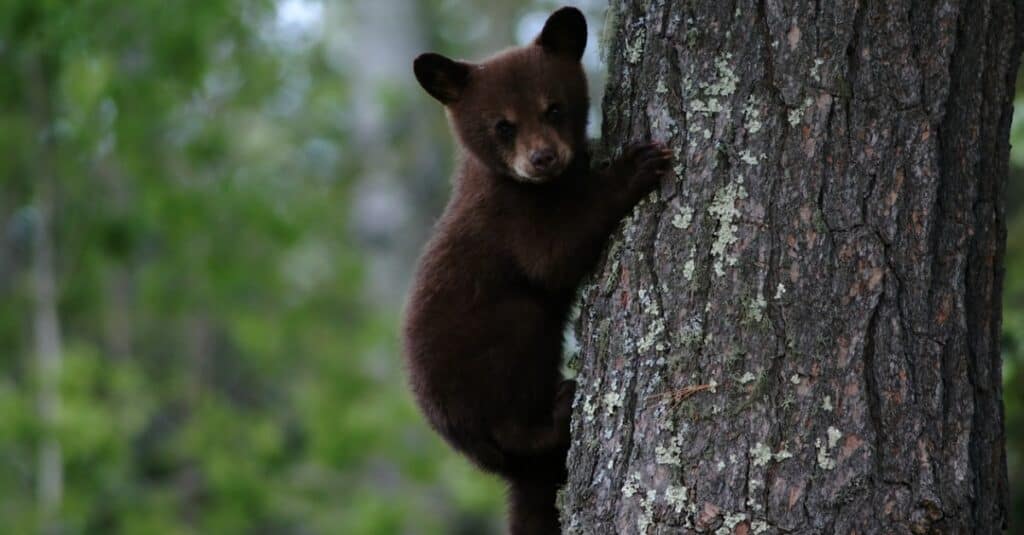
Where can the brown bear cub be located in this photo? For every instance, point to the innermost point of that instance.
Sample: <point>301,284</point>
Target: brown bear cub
<point>527,220</point>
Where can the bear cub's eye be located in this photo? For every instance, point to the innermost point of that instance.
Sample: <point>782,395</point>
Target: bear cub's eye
<point>505,129</point>
<point>554,112</point>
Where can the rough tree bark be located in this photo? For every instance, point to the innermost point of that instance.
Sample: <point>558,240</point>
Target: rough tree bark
<point>800,334</point>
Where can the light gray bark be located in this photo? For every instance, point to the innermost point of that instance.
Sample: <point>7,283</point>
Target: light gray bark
<point>800,334</point>
<point>45,320</point>
<point>46,328</point>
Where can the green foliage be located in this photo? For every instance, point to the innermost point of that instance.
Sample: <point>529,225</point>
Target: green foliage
<point>227,366</point>
<point>1013,315</point>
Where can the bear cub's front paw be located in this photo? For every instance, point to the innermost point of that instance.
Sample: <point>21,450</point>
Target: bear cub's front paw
<point>644,164</point>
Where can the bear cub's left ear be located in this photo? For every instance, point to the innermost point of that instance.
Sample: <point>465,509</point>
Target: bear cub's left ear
<point>564,34</point>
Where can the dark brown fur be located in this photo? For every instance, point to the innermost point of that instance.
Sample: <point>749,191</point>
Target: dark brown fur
<point>484,321</point>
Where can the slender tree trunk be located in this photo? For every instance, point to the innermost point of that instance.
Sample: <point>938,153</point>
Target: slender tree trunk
<point>45,321</point>
<point>46,328</point>
<point>800,334</point>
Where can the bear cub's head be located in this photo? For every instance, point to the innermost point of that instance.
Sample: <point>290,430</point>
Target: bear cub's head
<point>523,112</point>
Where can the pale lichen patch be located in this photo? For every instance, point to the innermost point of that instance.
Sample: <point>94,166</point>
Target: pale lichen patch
<point>725,85</point>
<point>723,207</point>
<point>833,436</point>
<point>747,157</point>
<point>612,401</point>
<point>729,522</point>
<point>630,487</point>
<point>780,291</point>
<point>797,114</point>
<point>755,309</point>
<point>635,48</point>
<point>752,116</point>
<point>688,268</point>
<point>815,74</point>
<point>825,461</point>
<point>710,106</point>
<point>675,496</point>
<point>589,408</point>
<point>647,517</point>
<point>670,454</point>
<point>747,377</point>
<point>692,332</point>
<point>826,404</point>
<point>683,218</point>
<point>761,454</point>
<point>656,329</point>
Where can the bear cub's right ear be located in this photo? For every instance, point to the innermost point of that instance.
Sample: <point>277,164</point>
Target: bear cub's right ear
<point>564,33</point>
<point>445,79</point>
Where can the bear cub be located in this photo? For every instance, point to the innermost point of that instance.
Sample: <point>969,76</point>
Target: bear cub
<point>527,219</point>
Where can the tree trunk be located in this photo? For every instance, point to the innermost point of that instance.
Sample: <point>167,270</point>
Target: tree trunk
<point>800,334</point>
<point>45,319</point>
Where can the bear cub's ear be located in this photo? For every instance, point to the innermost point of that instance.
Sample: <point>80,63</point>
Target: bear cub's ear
<point>564,34</point>
<point>445,79</point>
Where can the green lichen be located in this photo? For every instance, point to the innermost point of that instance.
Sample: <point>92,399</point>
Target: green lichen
<point>670,454</point>
<point>635,48</point>
<point>710,106</point>
<point>815,74</point>
<point>725,84</point>
<point>676,497</point>
<point>656,327</point>
<point>723,208</point>
<point>752,488</point>
<point>612,401</point>
<point>797,114</point>
<point>833,436</point>
<point>647,516</point>
<point>682,219</point>
<point>692,332</point>
<point>729,522</point>
<point>825,461</point>
<point>630,487</point>
<point>761,455</point>
<point>688,268</point>
<point>680,167</point>
<point>752,116</point>
<point>589,408</point>
<point>755,309</point>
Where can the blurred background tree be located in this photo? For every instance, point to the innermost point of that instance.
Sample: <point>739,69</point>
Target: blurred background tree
<point>209,211</point>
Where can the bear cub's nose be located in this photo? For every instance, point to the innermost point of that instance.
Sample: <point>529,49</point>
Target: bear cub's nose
<point>542,159</point>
